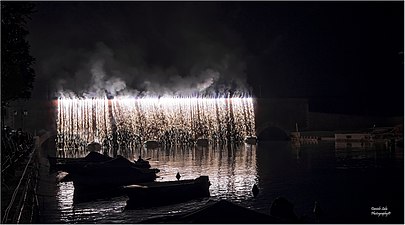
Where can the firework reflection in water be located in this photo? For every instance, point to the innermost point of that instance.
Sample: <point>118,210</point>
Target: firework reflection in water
<point>128,122</point>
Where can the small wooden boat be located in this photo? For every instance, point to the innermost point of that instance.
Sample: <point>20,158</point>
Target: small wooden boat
<point>83,194</point>
<point>202,142</point>
<point>251,140</point>
<point>111,177</point>
<point>92,156</point>
<point>114,173</point>
<point>163,193</point>
<point>141,163</point>
<point>151,144</point>
<point>94,146</point>
<point>75,165</point>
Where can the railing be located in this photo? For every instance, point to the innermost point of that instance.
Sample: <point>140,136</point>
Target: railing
<point>22,207</point>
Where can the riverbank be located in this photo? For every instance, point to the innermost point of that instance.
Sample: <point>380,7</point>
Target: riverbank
<point>47,188</point>
<point>19,176</point>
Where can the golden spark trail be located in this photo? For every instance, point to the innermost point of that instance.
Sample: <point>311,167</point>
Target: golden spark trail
<point>126,122</point>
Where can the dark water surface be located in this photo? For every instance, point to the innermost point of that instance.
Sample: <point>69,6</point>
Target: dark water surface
<point>347,180</point>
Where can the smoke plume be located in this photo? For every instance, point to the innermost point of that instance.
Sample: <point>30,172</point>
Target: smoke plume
<point>138,49</point>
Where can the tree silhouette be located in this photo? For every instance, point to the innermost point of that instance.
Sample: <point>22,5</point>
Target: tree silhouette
<point>17,74</point>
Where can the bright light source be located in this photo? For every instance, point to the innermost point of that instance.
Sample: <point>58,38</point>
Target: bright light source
<point>169,120</point>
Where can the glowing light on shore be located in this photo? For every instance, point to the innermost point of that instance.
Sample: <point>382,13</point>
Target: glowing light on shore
<point>130,121</point>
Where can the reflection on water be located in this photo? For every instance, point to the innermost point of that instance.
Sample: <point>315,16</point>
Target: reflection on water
<point>232,172</point>
<point>346,181</point>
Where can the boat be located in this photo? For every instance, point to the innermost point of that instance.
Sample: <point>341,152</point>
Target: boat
<point>202,142</point>
<point>141,163</point>
<point>113,173</point>
<point>163,193</point>
<point>251,140</point>
<point>75,165</point>
<point>94,146</point>
<point>83,194</point>
<point>151,144</point>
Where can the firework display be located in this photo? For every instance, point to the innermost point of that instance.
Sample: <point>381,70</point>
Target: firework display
<point>126,123</point>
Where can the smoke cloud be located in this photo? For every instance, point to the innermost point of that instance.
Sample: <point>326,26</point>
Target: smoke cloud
<point>138,49</point>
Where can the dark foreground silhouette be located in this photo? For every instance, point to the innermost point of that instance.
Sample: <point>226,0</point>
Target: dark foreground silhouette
<point>220,212</point>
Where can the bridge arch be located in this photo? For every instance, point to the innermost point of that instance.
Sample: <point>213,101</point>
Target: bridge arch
<point>272,132</point>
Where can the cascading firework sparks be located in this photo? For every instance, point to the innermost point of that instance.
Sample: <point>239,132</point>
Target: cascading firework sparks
<point>128,122</point>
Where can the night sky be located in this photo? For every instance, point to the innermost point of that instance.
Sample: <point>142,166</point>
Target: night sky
<point>345,57</point>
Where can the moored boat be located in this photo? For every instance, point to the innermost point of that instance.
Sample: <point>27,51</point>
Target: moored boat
<point>112,177</point>
<point>202,142</point>
<point>75,165</point>
<point>151,144</point>
<point>141,163</point>
<point>113,173</point>
<point>94,146</point>
<point>116,172</point>
<point>163,193</point>
<point>251,140</point>
<point>83,194</point>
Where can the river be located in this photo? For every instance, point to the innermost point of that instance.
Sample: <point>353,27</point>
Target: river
<point>349,182</point>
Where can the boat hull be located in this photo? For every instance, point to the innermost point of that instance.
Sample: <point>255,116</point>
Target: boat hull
<point>113,173</point>
<point>92,160</point>
<point>111,176</point>
<point>163,193</point>
<point>251,140</point>
<point>151,144</point>
<point>76,164</point>
<point>202,142</point>
<point>85,194</point>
